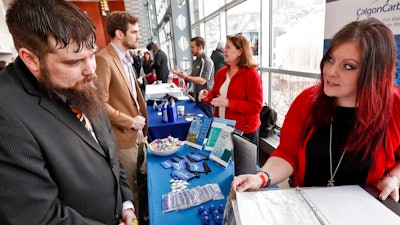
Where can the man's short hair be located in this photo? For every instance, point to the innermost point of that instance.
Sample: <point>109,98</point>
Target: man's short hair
<point>150,46</point>
<point>32,22</point>
<point>119,20</point>
<point>199,41</point>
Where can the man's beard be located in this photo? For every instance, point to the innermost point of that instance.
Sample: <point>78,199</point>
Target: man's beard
<point>87,99</point>
<point>129,45</point>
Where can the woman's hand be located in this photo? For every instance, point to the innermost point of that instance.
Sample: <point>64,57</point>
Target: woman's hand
<point>203,94</point>
<point>246,182</point>
<point>220,102</point>
<point>389,186</point>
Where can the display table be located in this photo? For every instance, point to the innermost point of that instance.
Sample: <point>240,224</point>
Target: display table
<point>158,181</point>
<point>157,128</point>
<point>160,90</point>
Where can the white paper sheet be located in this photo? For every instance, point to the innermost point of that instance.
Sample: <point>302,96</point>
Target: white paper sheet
<point>351,205</point>
<point>334,205</point>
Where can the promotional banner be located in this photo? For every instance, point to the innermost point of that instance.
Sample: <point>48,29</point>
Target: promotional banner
<point>341,12</point>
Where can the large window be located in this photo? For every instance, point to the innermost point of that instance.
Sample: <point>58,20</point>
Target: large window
<point>245,19</point>
<point>212,34</point>
<point>296,45</point>
<point>286,36</point>
<point>297,34</point>
<point>211,6</point>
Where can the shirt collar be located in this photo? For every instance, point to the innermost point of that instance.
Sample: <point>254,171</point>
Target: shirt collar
<point>119,53</point>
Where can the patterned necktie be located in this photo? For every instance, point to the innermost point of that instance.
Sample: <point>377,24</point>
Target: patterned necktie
<point>128,60</point>
<point>79,115</point>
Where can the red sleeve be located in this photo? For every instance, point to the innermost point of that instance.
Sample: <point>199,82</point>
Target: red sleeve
<point>252,101</point>
<point>293,130</point>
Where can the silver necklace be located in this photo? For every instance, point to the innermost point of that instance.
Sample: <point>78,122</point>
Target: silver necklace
<point>332,181</point>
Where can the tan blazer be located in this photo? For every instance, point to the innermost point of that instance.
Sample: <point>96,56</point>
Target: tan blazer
<point>118,97</point>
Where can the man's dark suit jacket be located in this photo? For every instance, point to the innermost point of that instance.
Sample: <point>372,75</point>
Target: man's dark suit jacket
<point>137,64</point>
<point>217,56</point>
<point>52,171</point>
<point>161,65</point>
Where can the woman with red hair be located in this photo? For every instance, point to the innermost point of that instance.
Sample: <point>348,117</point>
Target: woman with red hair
<point>346,129</point>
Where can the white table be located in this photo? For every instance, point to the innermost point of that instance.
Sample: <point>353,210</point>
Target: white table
<point>160,90</point>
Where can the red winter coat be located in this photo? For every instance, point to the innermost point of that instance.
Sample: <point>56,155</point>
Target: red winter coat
<point>245,96</point>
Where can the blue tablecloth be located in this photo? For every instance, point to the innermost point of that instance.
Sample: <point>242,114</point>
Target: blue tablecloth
<point>179,129</point>
<point>158,180</point>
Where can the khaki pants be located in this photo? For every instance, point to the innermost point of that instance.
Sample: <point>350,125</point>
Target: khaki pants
<point>134,162</point>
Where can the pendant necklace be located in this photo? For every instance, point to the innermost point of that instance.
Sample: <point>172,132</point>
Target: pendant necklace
<point>332,181</point>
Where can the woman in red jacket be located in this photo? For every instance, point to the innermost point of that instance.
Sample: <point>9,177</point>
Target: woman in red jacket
<point>346,129</point>
<point>237,91</point>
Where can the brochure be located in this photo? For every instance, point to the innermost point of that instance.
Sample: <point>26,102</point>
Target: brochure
<point>222,151</point>
<point>215,130</point>
<point>198,131</point>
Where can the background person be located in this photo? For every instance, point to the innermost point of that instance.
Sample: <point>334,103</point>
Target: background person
<point>147,68</point>
<point>137,65</point>
<point>217,56</point>
<point>237,91</point>
<point>124,103</point>
<point>137,61</point>
<point>3,64</point>
<point>202,75</point>
<point>53,169</point>
<point>346,129</point>
<point>140,54</point>
<point>160,63</point>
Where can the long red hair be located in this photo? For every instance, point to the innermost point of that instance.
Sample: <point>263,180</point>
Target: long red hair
<point>375,85</point>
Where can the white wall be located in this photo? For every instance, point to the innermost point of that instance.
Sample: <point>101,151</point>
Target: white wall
<point>7,50</point>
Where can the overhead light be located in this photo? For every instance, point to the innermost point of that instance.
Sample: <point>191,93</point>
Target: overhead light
<point>104,8</point>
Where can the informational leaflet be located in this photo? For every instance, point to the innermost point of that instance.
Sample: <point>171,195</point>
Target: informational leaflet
<point>222,150</point>
<point>198,131</point>
<point>217,126</point>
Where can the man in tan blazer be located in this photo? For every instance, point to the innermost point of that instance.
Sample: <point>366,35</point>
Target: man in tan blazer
<point>123,101</point>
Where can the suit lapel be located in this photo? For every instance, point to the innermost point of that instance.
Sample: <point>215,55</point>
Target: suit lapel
<point>68,118</point>
<point>100,130</point>
<point>118,64</point>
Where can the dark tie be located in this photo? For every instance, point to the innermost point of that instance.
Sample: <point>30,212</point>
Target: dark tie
<point>83,119</point>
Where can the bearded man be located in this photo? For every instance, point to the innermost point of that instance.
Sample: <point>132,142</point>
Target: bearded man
<point>59,159</point>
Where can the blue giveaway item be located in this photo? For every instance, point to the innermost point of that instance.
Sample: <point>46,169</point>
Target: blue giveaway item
<point>195,167</point>
<point>172,113</point>
<point>166,164</point>
<point>180,165</point>
<point>198,156</point>
<point>182,174</point>
<point>164,111</point>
